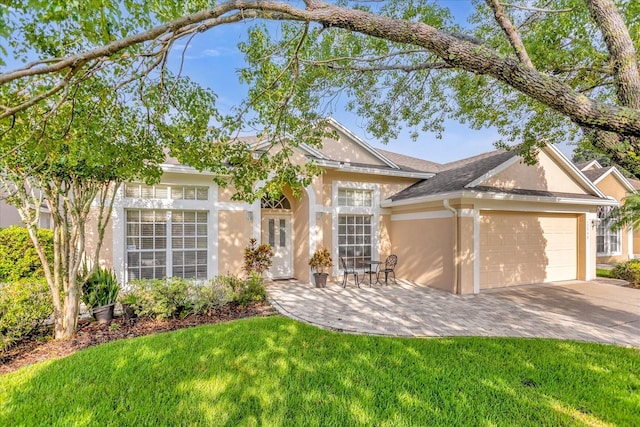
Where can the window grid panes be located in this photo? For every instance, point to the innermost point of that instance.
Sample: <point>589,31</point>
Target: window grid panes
<point>189,244</point>
<point>607,240</point>
<point>147,232</point>
<point>355,197</point>
<point>354,239</point>
<point>163,192</point>
<point>146,244</point>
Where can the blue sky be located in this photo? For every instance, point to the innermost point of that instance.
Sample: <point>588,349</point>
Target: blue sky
<point>212,60</point>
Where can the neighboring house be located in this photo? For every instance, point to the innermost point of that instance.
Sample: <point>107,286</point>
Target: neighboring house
<point>611,245</point>
<point>9,216</point>
<point>483,222</point>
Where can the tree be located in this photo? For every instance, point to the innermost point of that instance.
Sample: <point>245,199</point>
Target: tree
<point>540,72</point>
<point>75,156</point>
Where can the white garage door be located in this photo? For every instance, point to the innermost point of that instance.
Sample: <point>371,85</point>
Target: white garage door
<point>519,248</point>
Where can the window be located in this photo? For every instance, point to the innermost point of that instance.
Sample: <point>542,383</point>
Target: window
<point>280,203</point>
<point>354,238</point>
<point>162,192</point>
<point>607,240</point>
<point>355,197</point>
<point>148,254</point>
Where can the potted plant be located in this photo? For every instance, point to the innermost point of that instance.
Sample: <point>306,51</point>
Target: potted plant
<point>320,261</point>
<point>129,302</point>
<point>99,293</point>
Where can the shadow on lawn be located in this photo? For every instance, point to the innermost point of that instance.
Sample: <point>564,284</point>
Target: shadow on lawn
<point>274,371</point>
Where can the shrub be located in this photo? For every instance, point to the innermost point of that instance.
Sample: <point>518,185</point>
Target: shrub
<point>160,298</point>
<point>24,306</point>
<point>18,257</point>
<point>257,258</point>
<point>252,290</point>
<point>210,295</point>
<point>629,271</point>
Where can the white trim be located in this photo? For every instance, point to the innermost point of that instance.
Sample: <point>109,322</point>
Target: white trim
<point>630,242</point>
<point>340,127</point>
<point>373,210</point>
<point>500,205</point>
<point>347,167</point>
<point>313,151</point>
<point>476,251</point>
<point>213,242</point>
<point>421,215</point>
<point>591,219</point>
<point>591,163</point>
<point>501,167</point>
<point>257,220</point>
<point>465,194</point>
<point>467,213</point>
<point>619,176</point>
<point>314,229</point>
<point>186,169</point>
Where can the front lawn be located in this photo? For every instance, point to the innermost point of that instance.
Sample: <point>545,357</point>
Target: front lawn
<point>276,371</point>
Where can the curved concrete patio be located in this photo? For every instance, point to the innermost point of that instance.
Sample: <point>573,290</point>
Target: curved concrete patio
<point>583,311</point>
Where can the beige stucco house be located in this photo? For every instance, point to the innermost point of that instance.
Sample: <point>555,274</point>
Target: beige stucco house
<point>483,222</point>
<point>611,245</point>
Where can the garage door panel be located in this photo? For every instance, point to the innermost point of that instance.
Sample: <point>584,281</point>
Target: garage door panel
<point>521,248</point>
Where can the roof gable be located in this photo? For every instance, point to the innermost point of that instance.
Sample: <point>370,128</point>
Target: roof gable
<point>610,181</point>
<point>553,173</point>
<point>349,148</point>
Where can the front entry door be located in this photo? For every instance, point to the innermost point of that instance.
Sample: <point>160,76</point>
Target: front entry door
<point>276,231</point>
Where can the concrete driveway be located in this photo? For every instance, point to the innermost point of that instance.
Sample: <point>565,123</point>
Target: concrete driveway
<point>583,311</point>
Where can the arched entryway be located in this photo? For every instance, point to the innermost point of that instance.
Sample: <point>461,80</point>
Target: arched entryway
<point>277,228</point>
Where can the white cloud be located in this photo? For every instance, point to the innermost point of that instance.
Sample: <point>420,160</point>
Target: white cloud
<point>210,52</point>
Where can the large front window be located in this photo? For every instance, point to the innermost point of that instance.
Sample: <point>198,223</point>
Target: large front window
<point>607,240</point>
<point>354,238</point>
<point>148,254</point>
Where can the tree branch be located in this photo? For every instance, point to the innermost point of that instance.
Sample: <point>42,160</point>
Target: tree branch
<point>510,31</point>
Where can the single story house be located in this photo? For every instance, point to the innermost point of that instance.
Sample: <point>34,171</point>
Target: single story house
<point>483,222</point>
<point>611,245</point>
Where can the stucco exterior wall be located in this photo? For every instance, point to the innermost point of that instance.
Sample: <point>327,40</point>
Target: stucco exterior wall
<point>425,251</point>
<point>106,251</point>
<point>300,208</point>
<point>387,185</point>
<point>345,150</point>
<point>546,175</point>
<point>234,232</point>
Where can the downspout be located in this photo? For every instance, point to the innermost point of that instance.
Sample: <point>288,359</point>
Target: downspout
<point>447,206</point>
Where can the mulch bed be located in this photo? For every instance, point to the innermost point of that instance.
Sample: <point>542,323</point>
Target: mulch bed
<point>41,347</point>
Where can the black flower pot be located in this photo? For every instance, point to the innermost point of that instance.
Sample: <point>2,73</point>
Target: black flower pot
<point>129,311</point>
<point>104,313</point>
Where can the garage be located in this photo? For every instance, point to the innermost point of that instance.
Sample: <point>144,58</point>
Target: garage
<point>519,248</point>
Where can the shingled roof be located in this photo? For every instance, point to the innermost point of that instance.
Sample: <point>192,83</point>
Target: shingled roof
<point>456,178</point>
<point>594,174</point>
<point>409,162</point>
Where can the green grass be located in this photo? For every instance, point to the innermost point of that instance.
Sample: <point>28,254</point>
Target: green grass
<point>603,272</point>
<point>275,371</point>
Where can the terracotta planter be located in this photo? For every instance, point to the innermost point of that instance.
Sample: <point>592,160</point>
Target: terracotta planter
<point>320,279</point>
<point>104,314</point>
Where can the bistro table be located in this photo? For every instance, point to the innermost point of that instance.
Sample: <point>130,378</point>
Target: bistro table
<point>371,271</point>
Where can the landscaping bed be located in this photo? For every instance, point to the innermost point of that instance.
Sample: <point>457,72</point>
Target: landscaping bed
<point>39,346</point>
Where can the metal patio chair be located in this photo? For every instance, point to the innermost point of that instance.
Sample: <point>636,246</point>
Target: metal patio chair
<point>390,268</point>
<point>347,272</point>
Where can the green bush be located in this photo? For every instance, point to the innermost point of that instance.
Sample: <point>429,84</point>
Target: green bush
<point>210,295</point>
<point>18,258</point>
<point>24,306</point>
<point>160,298</point>
<point>252,290</point>
<point>629,271</point>
<point>173,296</point>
